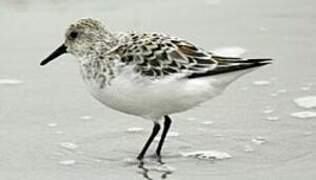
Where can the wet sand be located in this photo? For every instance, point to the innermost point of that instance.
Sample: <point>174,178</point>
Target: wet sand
<point>51,128</point>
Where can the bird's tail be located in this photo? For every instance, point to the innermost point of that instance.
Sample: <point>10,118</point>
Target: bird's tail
<point>228,64</point>
<point>231,64</point>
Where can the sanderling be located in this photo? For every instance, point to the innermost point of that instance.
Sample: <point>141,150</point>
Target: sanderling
<point>150,75</point>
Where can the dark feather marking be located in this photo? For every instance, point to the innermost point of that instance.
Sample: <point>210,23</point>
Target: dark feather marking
<point>155,62</point>
<point>189,51</point>
<point>158,72</point>
<point>127,59</point>
<point>150,72</point>
<point>227,69</point>
<point>174,64</point>
<point>150,56</point>
<point>175,55</point>
<point>204,61</point>
<point>159,47</point>
<point>169,70</point>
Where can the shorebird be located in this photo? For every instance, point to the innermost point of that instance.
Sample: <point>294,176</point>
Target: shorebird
<point>150,75</point>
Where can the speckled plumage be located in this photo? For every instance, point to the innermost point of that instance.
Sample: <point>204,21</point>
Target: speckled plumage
<point>158,55</point>
<point>150,75</point>
<point>153,55</point>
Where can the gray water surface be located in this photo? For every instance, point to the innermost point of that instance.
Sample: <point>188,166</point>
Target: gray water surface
<point>51,128</point>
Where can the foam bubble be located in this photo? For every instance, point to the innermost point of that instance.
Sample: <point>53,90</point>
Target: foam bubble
<point>135,129</point>
<point>304,114</point>
<point>207,122</point>
<point>306,102</point>
<point>272,118</point>
<point>261,83</point>
<point>69,145</point>
<point>209,155</point>
<point>10,82</point>
<point>67,162</point>
<point>268,111</point>
<point>52,124</point>
<point>86,117</point>
<point>259,140</point>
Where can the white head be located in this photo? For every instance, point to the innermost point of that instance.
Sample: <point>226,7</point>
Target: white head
<point>84,38</point>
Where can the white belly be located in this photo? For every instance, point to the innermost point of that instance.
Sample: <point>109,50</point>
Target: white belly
<point>150,99</point>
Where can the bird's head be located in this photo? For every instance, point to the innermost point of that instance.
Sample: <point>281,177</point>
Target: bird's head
<point>85,38</point>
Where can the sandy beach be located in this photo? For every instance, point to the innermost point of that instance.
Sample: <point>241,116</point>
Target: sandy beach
<point>262,127</point>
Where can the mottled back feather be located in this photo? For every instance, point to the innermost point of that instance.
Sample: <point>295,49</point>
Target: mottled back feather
<point>158,55</point>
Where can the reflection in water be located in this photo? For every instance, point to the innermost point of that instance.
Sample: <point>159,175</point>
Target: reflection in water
<point>163,171</point>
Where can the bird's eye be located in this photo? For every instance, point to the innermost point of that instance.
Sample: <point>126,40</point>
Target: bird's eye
<point>73,34</point>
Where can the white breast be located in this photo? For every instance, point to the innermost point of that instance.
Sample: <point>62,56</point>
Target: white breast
<point>151,99</point>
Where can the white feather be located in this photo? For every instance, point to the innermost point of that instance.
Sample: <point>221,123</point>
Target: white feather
<point>151,99</point>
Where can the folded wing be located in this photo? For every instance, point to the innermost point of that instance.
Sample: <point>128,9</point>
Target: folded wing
<point>158,56</point>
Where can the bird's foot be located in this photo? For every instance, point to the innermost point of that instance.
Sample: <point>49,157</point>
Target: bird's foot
<point>159,159</point>
<point>140,160</point>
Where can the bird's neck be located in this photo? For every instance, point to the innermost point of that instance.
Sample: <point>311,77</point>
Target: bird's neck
<point>98,71</point>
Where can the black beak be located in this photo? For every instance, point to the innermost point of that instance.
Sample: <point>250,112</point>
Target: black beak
<point>59,51</point>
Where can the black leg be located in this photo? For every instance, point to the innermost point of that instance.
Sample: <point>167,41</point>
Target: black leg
<point>150,139</point>
<point>167,124</point>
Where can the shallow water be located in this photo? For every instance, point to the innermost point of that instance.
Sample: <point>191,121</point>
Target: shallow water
<point>51,128</point>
